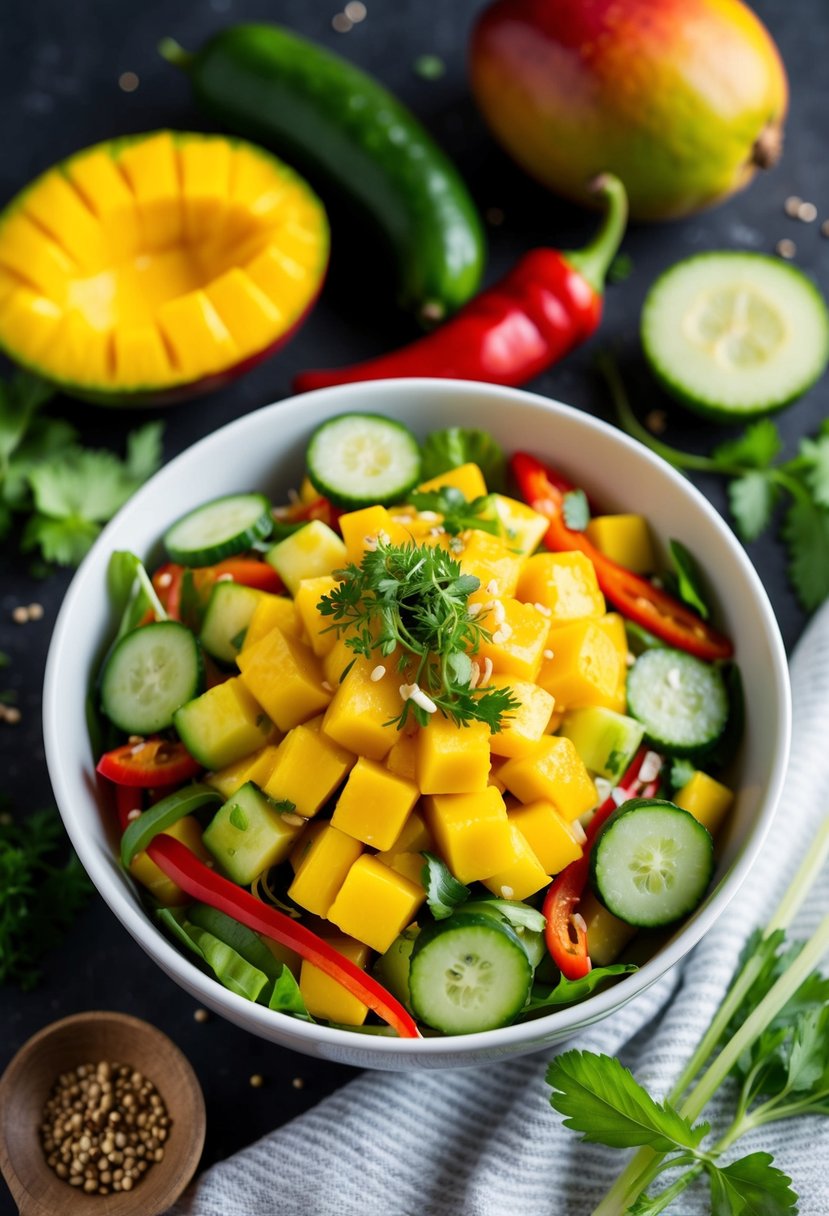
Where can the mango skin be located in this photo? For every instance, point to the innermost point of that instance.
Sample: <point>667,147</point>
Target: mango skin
<point>670,95</point>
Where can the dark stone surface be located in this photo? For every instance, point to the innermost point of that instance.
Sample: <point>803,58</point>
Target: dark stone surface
<point>59,70</point>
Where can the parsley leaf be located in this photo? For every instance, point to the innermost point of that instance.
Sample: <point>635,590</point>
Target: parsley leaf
<point>751,1185</point>
<point>576,510</point>
<point>751,498</point>
<point>444,892</point>
<point>806,533</point>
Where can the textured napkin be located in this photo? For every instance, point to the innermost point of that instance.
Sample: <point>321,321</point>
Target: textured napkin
<point>485,1142</point>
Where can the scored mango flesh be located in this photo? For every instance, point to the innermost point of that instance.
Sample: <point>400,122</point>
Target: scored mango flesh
<point>154,262</point>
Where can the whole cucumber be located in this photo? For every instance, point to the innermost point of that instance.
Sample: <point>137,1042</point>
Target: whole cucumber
<point>345,130</point>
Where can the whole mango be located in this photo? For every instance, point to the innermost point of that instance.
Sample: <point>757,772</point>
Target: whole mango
<point>682,99</point>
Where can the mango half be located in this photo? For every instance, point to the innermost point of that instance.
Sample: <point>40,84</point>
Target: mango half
<point>682,99</point>
<point>157,266</point>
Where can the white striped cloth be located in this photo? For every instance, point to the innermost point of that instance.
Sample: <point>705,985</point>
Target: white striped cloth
<point>485,1142</point>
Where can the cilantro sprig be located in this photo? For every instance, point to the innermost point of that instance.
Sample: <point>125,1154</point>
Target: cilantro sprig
<point>414,601</point>
<point>758,484</point>
<point>459,512</point>
<point>769,1039</point>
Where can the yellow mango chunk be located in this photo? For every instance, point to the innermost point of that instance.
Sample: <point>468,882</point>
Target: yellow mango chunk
<point>284,954</point>
<point>614,626</point>
<point>452,759</point>
<point>625,539</point>
<point>360,715</point>
<point>585,668</point>
<point>493,563</point>
<point>522,874</point>
<point>285,677</point>
<point>284,281</point>
<point>30,322</point>
<point>317,627</point>
<point>39,262</point>
<point>205,184</point>
<point>706,799</point>
<point>374,903</point>
<point>223,724</point>
<point>252,319</point>
<point>563,582</point>
<point>467,478</point>
<point>607,936</point>
<point>325,997</point>
<point>335,662</point>
<point>522,728</point>
<point>402,759</point>
<point>553,841</point>
<point>305,840</point>
<point>104,189</point>
<point>524,529</point>
<point>553,771</point>
<point>517,641</point>
<point>233,776</point>
<point>144,870</point>
<point>273,612</point>
<point>307,770</point>
<point>197,335</point>
<point>59,209</point>
<point>312,551</point>
<point>322,870</point>
<point>151,168</point>
<point>363,528</point>
<point>410,865</point>
<point>471,831</point>
<point>414,836</point>
<point>80,351</point>
<point>374,805</point>
<point>140,356</point>
<point>495,767</point>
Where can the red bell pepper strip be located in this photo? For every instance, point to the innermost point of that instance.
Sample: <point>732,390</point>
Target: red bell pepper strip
<point>167,582</point>
<point>303,512</point>
<point>149,763</point>
<point>128,800</point>
<point>565,934</point>
<point>203,884</point>
<point>245,570</point>
<point>654,609</point>
<point>547,304</point>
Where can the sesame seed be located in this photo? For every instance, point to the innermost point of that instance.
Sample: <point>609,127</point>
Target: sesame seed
<point>786,249</point>
<point>456,545</point>
<point>543,609</point>
<point>35,612</point>
<point>824,228</point>
<point>492,587</point>
<point>792,205</point>
<point>548,654</point>
<point>474,675</point>
<point>133,739</point>
<point>406,691</point>
<point>378,673</point>
<point>425,702</point>
<point>225,578</point>
<point>133,814</point>
<point>429,517</point>
<point>630,659</point>
<point>328,687</point>
<point>474,609</point>
<point>356,11</point>
<point>298,1083</point>
<point>12,715</point>
<point>295,821</point>
<point>256,1081</point>
<point>651,767</point>
<point>807,213</point>
<point>499,614</point>
<point>128,82</point>
<point>618,796</point>
<point>201,1015</point>
<point>657,422</point>
<point>577,831</point>
<point>165,579</point>
<point>20,615</point>
<point>370,543</point>
<point>341,23</point>
<point>579,921</point>
<point>507,892</point>
<point>487,672</point>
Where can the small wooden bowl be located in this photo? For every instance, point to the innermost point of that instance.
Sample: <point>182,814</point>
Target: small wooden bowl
<point>28,1081</point>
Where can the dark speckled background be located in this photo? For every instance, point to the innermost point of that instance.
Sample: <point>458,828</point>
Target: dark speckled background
<point>59,70</point>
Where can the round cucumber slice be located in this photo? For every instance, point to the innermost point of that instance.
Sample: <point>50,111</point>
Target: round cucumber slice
<point>651,863</point>
<point>150,674</point>
<point>735,335</point>
<point>357,460</point>
<point>469,973</point>
<point>219,529</point>
<point>681,701</point>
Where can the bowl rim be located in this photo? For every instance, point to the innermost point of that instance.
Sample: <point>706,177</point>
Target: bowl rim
<point>558,1023</point>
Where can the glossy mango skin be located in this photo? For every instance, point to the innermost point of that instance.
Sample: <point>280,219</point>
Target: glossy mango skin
<point>671,95</point>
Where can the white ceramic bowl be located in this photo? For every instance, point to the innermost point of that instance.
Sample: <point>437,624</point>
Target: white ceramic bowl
<point>264,450</point>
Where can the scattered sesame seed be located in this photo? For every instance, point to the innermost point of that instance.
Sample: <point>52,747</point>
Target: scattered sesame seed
<point>507,892</point>
<point>295,821</point>
<point>807,213</point>
<point>20,615</point>
<point>225,578</point>
<point>651,767</point>
<point>618,796</point>
<point>429,517</point>
<point>492,587</point>
<point>577,831</point>
<point>256,1081</point>
<point>500,636</point>
<point>341,23</point>
<point>792,205</point>
<point>474,609</point>
<point>494,216</point>
<point>656,422</point>
<point>674,677</point>
<point>133,739</point>
<point>423,701</point>
<point>548,654</point>
<point>630,659</point>
<point>11,715</point>
<point>543,609</point>
<point>328,687</point>
<point>579,921</point>
<point>356,11</point>
<point>474,675</point>
<point>487,672</point>
<point>786,249</point>
<point>378,673</point>
<point>128,82</point>
<point>164,579</point>
<point>824,228</point>
<point>35,612</point>
<point>201,1015</point>
<point>406,690</point>
<point>133,814</point>
<point>298,1083</point>
<point>370,544</point>
<point>456,545</point>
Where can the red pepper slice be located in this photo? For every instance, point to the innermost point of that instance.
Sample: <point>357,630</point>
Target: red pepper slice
<point>655,610</point>
<point>245,570</point>
<point>167,582</point>
<point>150,763</point>
<point>303,512</point>
<point>566,936</point>
<point>128,799</point>
<point>201,883</point>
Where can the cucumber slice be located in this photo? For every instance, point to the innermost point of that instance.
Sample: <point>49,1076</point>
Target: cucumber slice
<point>358,460</point>
<point>735,335</point>
<point>219,529</point>
<point>226,619</point>
<point>469,973</point>
<point>681,701</point>
<point>149,674</point>
<point>651,863</point>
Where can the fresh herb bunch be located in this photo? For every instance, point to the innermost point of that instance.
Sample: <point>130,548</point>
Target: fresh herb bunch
<point>39,894</point>
<point>770,1035</point>
<point>459,512</point>
<point>63,491</point>
<point>758,484</point>
<point>414,599</point>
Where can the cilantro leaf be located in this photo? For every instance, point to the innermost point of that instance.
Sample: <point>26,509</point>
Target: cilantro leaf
<point>459,512</point>
<point>751,498</point>
<point>815,452</point>
<point>809,1055</point>
<point>65,541</point>
<point>756,448</point>
<point>457,445</point>
<point>566,992</point>
<point>82,483</point>
<point>689,579</point>
<point>144,451</point>
<point>682,771</point>
<point>751,1186</point>
<point>20,399</point>
<point>806,533</point>
<point>600,1098</point>
<point>444,893</point>
<point>576,510</point>
<point>46,437</point>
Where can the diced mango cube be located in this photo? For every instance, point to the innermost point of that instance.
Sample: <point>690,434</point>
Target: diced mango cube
<point>625,539</point>
<point>317,627</point>
<point>285,676</point>
<point>553,771</point>
<point>522,728</point>
<point>374,804</point>
<point>402,759</point>
<point>361,714</point>
<point>336,660</point>
<point>524,528</point>
<point>307,770</point>
<point>304,841</point>
<point>233,776</point>
<point>521,874</point>
<point>518,641</point>
<point>414,836</point>
<point>495,767</point>
<point>554,842</point>
<point>273,612</point>
<point>223,724</point>
<point>362,529</point>
<point>162,888</point>
<point>313,550</point>
<point>467,478</point>
<point>323,868</point>
<point>563,582</point>
<point>471,831</point>
<point>585,667</point>
<point>327,998</point>
<point>374,903</point>
<point>452,759</point>
<point>706,799</point>
<point>410,865</point>
<point>492,562</point>
<point>607,936</point>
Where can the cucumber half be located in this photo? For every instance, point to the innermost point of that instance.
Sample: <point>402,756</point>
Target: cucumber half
<point>651,863</point>
<point>735,335</point>
<point>219,529</point>
<point>357,460</point>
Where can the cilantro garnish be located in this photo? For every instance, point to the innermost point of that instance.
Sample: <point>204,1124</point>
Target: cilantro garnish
<point>459,512</point>
<point>413,600</point>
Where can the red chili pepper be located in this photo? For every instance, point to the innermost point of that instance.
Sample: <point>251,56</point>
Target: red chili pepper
<point>128,798</point>
<point>245,570</point>
<point>151,763</point>
<point>201,883</point>
<point>547,304</point>
<point>655,610</point>
<point>566,936</point>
